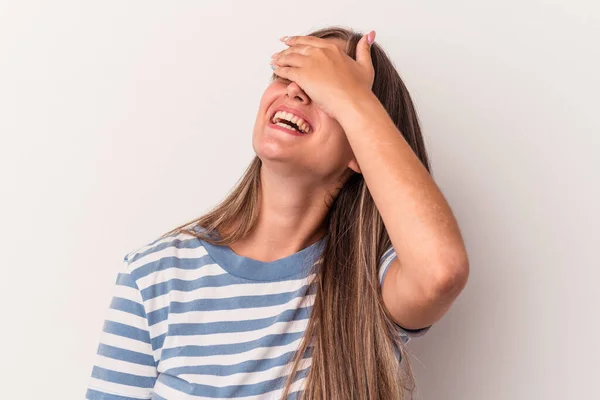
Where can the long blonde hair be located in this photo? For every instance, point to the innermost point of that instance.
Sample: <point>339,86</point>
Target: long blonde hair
<point>351,334</point>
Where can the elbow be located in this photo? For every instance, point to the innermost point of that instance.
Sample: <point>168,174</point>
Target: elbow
<point>452,278</point>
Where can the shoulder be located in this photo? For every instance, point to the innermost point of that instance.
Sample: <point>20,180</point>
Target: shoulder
<point>161,253</point>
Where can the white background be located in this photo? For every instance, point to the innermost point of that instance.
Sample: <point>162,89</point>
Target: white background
<point>121,119</point>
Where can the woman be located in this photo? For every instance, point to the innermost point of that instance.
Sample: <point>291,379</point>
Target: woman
<point>275,293</point>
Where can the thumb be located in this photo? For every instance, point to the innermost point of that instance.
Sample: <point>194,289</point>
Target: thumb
<point>363,49</point>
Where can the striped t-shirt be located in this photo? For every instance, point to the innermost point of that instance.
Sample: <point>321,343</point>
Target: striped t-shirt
<point>193,320</point>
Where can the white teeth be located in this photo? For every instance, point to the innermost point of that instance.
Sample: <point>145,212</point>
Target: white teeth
<point>286,126</point>
<point>282,115</point>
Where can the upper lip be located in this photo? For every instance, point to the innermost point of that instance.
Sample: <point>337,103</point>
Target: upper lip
<point>292,111</point>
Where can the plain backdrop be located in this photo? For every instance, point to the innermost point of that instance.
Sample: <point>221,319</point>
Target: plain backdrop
<point>120,120</point>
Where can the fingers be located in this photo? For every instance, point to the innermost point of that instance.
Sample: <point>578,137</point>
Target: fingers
<point>306,40</point>
<point>301,49</point>
<point>363,50</point>
<point>288,73</point>
<point>286,62</point>
<point>289,59</point>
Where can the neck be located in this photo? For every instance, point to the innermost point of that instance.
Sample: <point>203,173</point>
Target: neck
<point>291,218</point>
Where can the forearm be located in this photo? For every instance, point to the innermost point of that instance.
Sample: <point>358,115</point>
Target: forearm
<point>419,220</point>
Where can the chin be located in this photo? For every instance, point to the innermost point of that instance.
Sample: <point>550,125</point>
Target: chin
<point>271,151</point>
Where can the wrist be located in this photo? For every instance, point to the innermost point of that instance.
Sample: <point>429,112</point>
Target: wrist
<point>355,106</point>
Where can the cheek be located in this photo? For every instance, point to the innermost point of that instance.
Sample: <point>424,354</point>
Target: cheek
<point>336,137</point>
<point>333,148</point>
<point>267,99</point>
<point>261,113</point>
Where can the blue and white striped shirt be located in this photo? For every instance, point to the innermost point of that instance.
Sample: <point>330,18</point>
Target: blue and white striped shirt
<point>192,320</point>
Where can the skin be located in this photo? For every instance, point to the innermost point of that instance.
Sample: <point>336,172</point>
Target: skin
<point>352,133</point>
<point>298,174</point>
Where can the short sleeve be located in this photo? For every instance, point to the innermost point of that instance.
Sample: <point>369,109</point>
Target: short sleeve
<point>384,262</point>
<point>125,367</point>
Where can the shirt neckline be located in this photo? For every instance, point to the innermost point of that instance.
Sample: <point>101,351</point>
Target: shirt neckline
<point>297,265</point>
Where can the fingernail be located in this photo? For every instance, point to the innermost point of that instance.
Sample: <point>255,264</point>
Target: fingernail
<point>272,67</point>
<point>284,38</point>
<point>371,37</point>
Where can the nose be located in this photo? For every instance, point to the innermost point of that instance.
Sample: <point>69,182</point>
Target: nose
<point>295,92</point>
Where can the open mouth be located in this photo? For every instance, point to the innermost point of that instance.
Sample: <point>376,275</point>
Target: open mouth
<point>290,121</point>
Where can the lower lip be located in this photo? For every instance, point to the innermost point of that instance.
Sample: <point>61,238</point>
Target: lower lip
<point>281,128</point>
